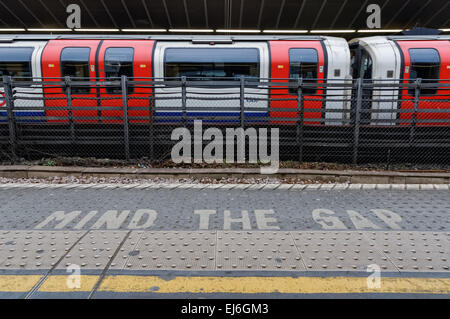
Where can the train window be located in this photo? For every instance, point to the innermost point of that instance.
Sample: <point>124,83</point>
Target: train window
<point>212,63</point>
<point>303,63</point>
<point>425,64</point>
<point>118,62</point>
<point>366,65</point>
<point>75,63</point>
<point>16,62</point>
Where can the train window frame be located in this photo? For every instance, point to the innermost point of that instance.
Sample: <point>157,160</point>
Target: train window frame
<point>309,91</point>
<point>118,90</point>
<point>212,78</point>
<point>76,90</point>
<point>428,91</point>
<point>25,61</point>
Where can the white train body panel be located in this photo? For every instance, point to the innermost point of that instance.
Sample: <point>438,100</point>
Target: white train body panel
<point>250,93</point>
<point>339,70</point>
<point>386,61</point>
<point>32,106</point>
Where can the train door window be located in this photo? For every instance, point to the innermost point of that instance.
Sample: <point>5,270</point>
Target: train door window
<point>75,63</point>
<point>16,62</point>
<point>118,62</point>
<point>366,65</point>
<point>303,63</point>
<point>205,64</point>
<point>425,64</point>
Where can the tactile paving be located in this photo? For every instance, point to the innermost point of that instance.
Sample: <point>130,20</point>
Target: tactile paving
<point>415,251</point>
<point>95,250</point>
<point>339,251</point>
<point>392,251</point>
<point>34,249</point>
<point>163,250</point>
<point>259,250</point>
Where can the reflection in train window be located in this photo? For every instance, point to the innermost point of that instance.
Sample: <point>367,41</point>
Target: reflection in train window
<point>75,63</point>
<point>303,63</point>
<point>16,62</point>
<point>425,65</point>
<point>212,63</point>
<point>118,62</point>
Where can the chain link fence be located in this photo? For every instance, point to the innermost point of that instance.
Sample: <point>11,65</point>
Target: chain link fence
<point>346,121</point>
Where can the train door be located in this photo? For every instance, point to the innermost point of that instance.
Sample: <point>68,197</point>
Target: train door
<point>21,60</point>
<point>362,68</point>
<point>429,61</point>
<point>74,58</point>
<point>201,62</point>
<point>132,58</point>
<point>292,60</point>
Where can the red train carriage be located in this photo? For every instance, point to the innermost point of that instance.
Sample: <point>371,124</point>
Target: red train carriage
<point>199,58</point>
<point>386,59</point>
<point>100,60</point>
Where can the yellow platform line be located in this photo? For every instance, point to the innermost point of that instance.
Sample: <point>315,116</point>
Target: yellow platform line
<point>66,283</point>
<point>255,285</point>
<point>240,285</point>
<point>18,283</point>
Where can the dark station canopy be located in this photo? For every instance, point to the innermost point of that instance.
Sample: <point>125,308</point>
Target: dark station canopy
<point>217,16</point>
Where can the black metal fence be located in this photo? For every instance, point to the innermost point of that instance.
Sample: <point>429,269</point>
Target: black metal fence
<point>334,120</point>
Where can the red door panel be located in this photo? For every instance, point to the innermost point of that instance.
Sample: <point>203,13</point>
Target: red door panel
<point>426,102</point>
<point>279,52</point>
<point>51,68</point>
<point>142,68</point>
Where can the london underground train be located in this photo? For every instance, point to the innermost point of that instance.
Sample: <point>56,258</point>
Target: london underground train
<point>382,59</point>
<point>312,58</point>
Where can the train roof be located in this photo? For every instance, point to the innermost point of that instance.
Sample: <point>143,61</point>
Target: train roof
<point>205,38</point>
<point>406,38</point>
<point>418,37</point>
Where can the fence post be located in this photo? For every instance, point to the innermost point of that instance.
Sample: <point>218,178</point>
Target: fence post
<point>412,130</point>
<point>151,113</point>
<point>242,100</point>
<point>300,116</point>
<point>68,84</point>
<point>9,100</point>
<point>124,85</point>
<point>359,85</point>
<point>183,99</point>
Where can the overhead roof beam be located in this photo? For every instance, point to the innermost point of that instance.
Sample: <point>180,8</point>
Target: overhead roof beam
<point>89,13</point>
<point>228,6</point>
<point>128,13</point>
<point>147,12</point>
<point>4,23</point>
<point>187,14</point>
<point>338,14</point>
<point>437,13</point>
<point>324,3</point>
<point>109,14</point>
<point>241,13</point>
<point>357,14</point>
<point>408,24</point>
<point>206,14</point>
<point>12,13</point>
<point>299,14</point>
<point>280,13</point>
<point>397,14</point>
<point>167,14</point>
<point>50,13</point>
<point>31,13</point>
<point>261,8</point>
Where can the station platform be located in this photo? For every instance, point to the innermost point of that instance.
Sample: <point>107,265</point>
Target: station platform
<point>224,240</point>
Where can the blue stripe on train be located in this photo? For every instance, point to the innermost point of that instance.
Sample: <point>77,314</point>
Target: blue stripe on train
<point>38,114</point>
<point>160,117</point>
